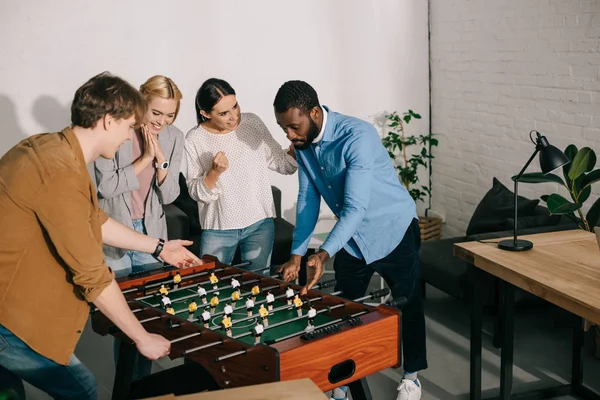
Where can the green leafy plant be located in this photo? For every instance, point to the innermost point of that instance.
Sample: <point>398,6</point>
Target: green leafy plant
<point>579,175</point>
<point>397,143</point>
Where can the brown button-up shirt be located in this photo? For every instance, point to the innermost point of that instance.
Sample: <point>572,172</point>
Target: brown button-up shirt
<point>51,259</point>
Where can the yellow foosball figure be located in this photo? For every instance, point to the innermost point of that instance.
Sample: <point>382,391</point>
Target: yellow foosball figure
<point>255,292</point>
<point>214,280</point>
<point>176,280</point>
<point>163,290</point>
<point>264,314</point>
<point>192,307</point>
<point>298,305</point>
<point>170,310</point>
<point>226,322</point>
<point>214,302</point>
<point>235,296</point>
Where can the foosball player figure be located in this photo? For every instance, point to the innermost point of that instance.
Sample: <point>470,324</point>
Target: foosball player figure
<point>192,307</point>
<point>163,290</point>
<point>226,322</point>
<point>235,284</point>
<point>176,280</point>
<point>206,316</point>
<point>202,294</point>
<point>235,296</point>
<point>170,310</point>
<point>312,313</point>
<point>228,310</point>
<point>166,302</point>
<point>214,280</point>
<point>298,305</point>
<point>270,301</point>
<point>255,292</point>
<point>258,331</point>
<point>250,306</point>
<point>214,302</point>
<point>264,314</point>
<point>289,294</point>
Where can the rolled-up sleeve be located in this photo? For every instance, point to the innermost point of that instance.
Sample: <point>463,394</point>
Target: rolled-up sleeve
<point>278,158</point>
<point>64,210</point>
<point>113,181</point>
<point>169,190</point>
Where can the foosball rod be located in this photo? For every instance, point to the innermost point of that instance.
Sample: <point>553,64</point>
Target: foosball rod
<point>323,285</point>
<point>370,296</point>
<point>185,277</point>
<point>179,300</point>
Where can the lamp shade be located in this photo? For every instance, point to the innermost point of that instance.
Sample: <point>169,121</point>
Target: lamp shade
<point>551,158</point>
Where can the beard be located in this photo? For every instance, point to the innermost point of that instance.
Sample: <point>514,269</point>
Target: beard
<point>313,132</point>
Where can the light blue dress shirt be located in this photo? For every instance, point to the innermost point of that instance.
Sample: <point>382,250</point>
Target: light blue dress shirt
<point>352,171</point>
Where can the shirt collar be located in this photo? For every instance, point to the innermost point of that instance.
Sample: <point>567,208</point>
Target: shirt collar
<point>320,136</point>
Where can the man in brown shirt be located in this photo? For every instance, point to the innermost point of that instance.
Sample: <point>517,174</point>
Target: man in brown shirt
<point>51,260</point>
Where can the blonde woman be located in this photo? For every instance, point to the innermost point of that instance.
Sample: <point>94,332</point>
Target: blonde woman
<point>143,176</point>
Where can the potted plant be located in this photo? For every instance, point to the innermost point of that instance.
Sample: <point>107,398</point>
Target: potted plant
<point>408,163</point>
<point>579,175</point>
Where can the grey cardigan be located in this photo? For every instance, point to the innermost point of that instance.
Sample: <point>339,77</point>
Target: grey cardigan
<point>116,178</point>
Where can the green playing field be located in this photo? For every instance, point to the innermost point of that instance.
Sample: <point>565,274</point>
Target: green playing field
<point>241,322</point>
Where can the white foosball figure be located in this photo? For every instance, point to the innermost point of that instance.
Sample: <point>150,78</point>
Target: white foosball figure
<point>228,310</point>
<point>250,306</point>
<point>206,317</point>
<point>289,294</point>
<point>312,313</point>
<point>166,302</point>
<point>258,331</point>
<point>235,284</point>
<point>270,301</point>
<point>202,294</point>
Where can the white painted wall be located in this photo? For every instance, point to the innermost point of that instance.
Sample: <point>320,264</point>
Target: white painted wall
<point>363,58</point>
<point>500,69</point>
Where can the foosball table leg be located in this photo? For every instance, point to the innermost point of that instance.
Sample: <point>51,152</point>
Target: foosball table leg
<point>124,371</point>
<point>360,390</point>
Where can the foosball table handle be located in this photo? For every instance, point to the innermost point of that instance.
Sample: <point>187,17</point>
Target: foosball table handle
<point>380,293</point>
<point>398,302</point>
<point>326,284</point>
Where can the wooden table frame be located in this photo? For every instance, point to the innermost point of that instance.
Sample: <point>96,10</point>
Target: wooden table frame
<point>540,271</point>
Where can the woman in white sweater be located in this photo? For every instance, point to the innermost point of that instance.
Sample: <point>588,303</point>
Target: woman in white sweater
<point>228,154</point>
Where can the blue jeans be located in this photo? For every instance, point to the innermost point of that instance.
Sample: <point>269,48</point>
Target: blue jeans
<point>133,261</point>
<point>19,362</point>
<point>255,241</point>
<point>400,269</point>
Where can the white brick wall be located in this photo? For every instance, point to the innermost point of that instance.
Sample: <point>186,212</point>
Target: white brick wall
<point>501,68</point>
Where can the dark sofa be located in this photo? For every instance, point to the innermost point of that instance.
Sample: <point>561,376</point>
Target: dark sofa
<point>183,223</point>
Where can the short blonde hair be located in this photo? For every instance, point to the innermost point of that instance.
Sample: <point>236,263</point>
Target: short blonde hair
<point>161,86</point>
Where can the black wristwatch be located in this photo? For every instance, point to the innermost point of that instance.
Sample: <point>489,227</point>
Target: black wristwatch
<point>159,248</point>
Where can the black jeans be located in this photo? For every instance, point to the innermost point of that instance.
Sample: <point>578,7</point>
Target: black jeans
<point>400,269</point>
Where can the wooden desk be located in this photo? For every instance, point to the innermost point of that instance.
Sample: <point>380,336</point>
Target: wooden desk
<point>562,268</point>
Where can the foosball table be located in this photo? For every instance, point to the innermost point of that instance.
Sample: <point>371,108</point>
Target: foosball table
<point>237,328</point>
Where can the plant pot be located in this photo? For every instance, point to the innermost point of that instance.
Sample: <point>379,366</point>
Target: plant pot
<point>431,228</point>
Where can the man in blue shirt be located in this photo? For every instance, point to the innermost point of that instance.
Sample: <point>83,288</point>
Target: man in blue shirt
<point>342,160</point>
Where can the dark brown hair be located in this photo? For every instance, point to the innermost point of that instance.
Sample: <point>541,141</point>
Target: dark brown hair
<point>106,94</point>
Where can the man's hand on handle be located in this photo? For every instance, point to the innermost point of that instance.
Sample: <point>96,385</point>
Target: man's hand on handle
<point>314,269</point>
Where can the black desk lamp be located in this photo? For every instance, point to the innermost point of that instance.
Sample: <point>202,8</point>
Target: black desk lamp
<point>551,158</point>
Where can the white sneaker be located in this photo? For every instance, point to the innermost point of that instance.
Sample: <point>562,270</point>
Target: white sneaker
<point>339,393</point>
<point>409,390</point>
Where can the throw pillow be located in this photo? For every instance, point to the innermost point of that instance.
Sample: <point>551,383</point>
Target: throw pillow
<point>496,207</point>
<point>532,221</point>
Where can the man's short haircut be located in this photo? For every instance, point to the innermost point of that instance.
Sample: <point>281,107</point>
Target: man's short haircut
<point>296,94</point>
<point>106,94</point>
